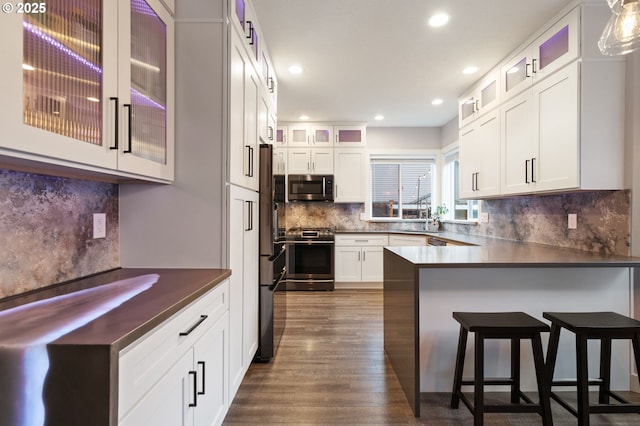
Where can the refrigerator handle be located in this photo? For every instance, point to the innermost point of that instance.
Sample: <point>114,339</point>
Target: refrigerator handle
<point>275,221</point>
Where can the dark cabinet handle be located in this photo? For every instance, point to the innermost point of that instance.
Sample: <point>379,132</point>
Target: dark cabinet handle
<point>117,125</point>
<point>533,164</point>
<point>249,205</point>
<point>270,133</point>
<point>203,375</point>
<point>195,389</point>
<point>526,70</point>
<point>476,106</point>
<point>533,65</point>
<point>250,35</point>
<point>194,326</point>
<point>526,171</point>
<point>271,85</point>
<point>128,150</point>
<point>249,161</point>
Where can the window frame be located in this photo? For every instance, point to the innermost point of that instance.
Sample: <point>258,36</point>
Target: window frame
<point>431,156</point>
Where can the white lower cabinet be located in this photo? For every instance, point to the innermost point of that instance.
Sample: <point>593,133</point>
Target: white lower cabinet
<point>243,291</point>
<point>177,374</point>
<point>358,258</point>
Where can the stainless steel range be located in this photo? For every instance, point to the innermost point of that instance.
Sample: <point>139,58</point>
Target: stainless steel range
<point>310,259</point>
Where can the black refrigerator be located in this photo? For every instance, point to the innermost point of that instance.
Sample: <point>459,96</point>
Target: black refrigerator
<point>273,304</point>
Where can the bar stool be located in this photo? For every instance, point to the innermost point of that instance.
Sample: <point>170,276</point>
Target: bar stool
<point>514,326</point>
<point>604,326</point>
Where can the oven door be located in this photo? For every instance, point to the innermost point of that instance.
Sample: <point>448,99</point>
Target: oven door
<point>310,260</point>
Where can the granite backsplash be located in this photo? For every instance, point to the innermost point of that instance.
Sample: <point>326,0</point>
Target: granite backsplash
<point>603,220</point>
<point>46,226</point>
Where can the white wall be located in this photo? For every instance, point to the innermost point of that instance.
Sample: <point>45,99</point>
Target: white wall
<point>449,132</point>
<point>403,138</point>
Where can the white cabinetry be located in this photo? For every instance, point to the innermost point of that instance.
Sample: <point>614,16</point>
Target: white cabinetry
<point>243,110</point>
<point>281,135</point>
<point>481,99</point>
<point>358,259</point>
<point>95,89</point>
<point>407,240</point>
<point>177,374</point>
<point>350,136</point>
<point>479,151</point>
<point>314,161</point>
<point>243,291</point>
<point>279,161</point>
<point>350,175</point>
<point>318,135</point>
<point>560,116</point>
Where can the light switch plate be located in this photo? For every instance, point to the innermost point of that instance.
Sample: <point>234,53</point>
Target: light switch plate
<point>572,221</point>
<point>99,225</point>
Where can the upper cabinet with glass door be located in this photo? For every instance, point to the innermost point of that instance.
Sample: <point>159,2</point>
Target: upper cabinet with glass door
<point>62,64</point>
<point>481,99</point>
<point>554,49</point>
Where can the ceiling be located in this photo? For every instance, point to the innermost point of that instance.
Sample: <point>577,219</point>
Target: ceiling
<point>368,57</point>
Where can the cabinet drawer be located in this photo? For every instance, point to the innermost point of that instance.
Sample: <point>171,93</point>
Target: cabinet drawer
<point>143,363</point>
<point>362,240</point>
<point>407,240</point>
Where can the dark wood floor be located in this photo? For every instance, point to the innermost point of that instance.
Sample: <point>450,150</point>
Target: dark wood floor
<point>331,369</point>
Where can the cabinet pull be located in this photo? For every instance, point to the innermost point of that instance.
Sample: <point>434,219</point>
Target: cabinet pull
<point>526,70</point>
<point>250,35</point>
<point>364,256</point>
<point>249,172</point>
<point>194,326</point>
<point>358,256</point>
<point>270,132</point>
<point>195,389</point>
<point>203,376</point>
<point>526,171</point>
<point>476,105</point>
<point>324,184</point>
<point>117,125</point>
<point>249,205</point>
<point>271,85</point>
<point>533,164</point>
<point>129,136</point>
<point>533,66</point>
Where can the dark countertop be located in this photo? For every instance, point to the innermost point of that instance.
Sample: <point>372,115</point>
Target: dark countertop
<point>508,254</point>
<point>121,326</point>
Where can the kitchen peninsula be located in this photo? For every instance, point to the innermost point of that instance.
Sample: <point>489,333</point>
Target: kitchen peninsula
<point>424,285</point>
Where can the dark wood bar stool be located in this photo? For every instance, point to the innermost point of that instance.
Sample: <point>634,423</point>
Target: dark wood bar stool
<point>604,326</point>
<point>514,326</point>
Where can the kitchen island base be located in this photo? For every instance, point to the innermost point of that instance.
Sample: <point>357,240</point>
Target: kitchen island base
<point>420,335</point>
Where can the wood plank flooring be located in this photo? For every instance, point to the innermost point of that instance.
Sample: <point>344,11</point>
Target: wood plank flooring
<point>331,369</point>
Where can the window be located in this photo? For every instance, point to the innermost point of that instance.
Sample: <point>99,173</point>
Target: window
<point>462,209</point>
<point>401,188</point>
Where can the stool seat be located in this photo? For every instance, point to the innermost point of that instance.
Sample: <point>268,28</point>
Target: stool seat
<point>514,326</point>
<point>498,322</point>
<point>593,322</point>
<point>603,326</point>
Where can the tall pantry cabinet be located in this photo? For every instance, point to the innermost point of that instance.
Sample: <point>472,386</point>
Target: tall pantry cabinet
<point>208,217</point>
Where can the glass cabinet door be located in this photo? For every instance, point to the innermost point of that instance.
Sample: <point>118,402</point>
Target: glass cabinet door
<point>148,83</point>
<point>146,127</point>
<point>63,71</point>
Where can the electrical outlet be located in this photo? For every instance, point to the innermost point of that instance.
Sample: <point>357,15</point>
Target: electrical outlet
<point>572,221</point>
<point>99,225</point>
<point>484,217</point>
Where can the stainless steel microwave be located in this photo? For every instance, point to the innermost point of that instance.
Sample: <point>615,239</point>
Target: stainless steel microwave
<point>310,187</point>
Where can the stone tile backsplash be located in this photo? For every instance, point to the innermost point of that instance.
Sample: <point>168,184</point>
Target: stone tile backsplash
<point>603,220</point>
<point>46,226</point>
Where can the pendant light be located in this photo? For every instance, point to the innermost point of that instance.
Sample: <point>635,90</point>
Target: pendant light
<point>621,35</point>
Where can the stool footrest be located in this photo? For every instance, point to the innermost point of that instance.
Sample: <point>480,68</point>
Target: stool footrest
<point>530,407</point>
<point>505,381</point>
<point>573,382</point>
<point>624,406</point>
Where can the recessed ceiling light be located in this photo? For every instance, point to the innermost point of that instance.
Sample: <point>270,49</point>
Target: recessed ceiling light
<point>27,67</point>
<point>437,102</point>
<point>295,69</point>
<point>379,117</point>
<point>438,20</point>
<point>304,117</point>
<point>470,70</point>
<point>92,99</point>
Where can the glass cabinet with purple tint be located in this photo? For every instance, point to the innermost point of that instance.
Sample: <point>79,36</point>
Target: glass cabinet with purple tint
<point>90,94</point>
<point>554,49</point>
<point>481,99</point>
<point>350,136</point>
